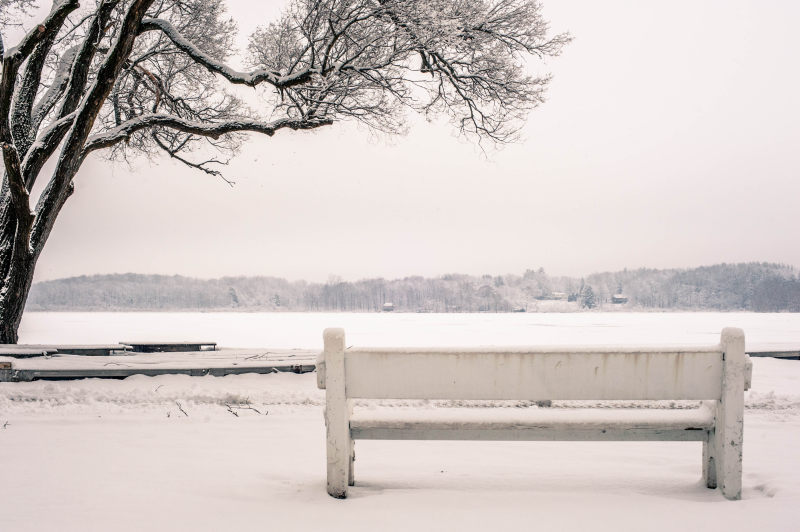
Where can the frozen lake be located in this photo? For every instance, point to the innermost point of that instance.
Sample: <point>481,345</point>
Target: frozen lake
<point>304,330</point>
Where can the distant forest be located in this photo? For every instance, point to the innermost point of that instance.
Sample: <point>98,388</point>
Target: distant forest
<point>759,287</point>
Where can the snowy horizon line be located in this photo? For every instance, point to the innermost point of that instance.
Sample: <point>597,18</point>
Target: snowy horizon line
<point>336,278</point>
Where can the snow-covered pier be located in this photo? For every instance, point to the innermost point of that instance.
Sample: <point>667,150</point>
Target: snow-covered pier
<point>790,355</point>
<point>31,350</point>
<point>217,362</point>
<point>31,362</point>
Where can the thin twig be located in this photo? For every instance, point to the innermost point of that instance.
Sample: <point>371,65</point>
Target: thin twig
<point>181,409</point>
<point>245,406</point>
<point>260,356</point>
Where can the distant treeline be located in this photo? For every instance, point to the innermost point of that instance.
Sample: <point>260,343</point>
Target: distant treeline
<point>760,287</point>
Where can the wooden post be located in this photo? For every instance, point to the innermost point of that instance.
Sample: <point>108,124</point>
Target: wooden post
<point>730,415</point>
<point>5,371</point>
<point>337,415</point>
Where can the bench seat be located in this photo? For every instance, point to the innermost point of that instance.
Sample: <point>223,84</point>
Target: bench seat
<point>511,424</point>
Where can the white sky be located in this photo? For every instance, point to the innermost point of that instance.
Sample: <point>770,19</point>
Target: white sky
<point>669,139</point>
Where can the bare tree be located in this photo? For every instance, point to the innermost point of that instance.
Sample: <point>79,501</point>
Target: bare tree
<point>149,76</point>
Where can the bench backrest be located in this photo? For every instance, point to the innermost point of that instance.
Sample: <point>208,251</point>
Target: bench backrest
<point>572,373</point>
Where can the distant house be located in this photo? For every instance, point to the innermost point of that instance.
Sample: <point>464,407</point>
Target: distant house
<point>619,299</point>
<point>552,296</point>
<point>388,307</point>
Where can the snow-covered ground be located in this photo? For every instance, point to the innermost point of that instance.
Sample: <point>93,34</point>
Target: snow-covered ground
<point>247,452</point>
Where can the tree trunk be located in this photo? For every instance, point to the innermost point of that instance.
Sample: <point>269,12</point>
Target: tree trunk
<point>16,285</point>
<point>16,268</point>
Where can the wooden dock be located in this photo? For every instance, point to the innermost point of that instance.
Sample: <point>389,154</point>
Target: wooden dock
<point>117,361</point>
<point>169,347</point>
<point>28,350</point>
<point>789,355</point>
<point>23,352</point>
<point>218,363</point>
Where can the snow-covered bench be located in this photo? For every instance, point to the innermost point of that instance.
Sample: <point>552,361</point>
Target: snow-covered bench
<point>718,375</point>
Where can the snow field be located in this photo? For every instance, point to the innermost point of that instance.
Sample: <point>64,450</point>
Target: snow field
<point>292,330</point>
<point>190,453</point>
<point>247,452</point>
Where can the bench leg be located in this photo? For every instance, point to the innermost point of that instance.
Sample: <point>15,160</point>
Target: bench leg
<point>339,446</point>
<point>339,464</point>
<point>351,479</point>
<point>710,450</point>
<point>709,465</point>
<point>729,455</point>
<point>729,422</point>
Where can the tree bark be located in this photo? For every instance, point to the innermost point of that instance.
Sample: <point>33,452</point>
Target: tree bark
<point>17,284</point>
<point>16,268</point>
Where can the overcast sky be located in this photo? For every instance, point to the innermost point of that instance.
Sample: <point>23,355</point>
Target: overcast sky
<point>670,138</point>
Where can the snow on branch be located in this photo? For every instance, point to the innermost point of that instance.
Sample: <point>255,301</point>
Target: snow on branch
<point>57,87</point>
<point>40,150</point>
<point>53,21</point>
<point>250,79</point>
<point>205,129</point>
<point>12,59</point>
<point>369,59</point>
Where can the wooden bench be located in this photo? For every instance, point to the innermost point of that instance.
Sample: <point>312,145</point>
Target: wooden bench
<point>717,375</point>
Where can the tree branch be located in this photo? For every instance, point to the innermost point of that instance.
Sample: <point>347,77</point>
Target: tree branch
<point>61,80</point>
<point>59,187</point>
<point>202,166</point>
<point>22,127</point>
<point>46,145</point>
<point>12,59</point>
<point>40,150</point>
<point>61,8</point>
<point>80,69</point>
<point>251,79</point>
<point>204,129</point>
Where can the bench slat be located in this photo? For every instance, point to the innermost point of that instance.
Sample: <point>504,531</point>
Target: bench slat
<point>535,425</point>
<point>519,375</point>
<point>531,434</point>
